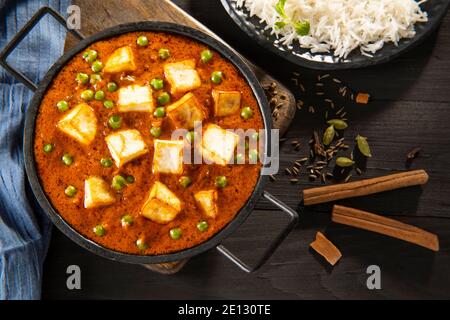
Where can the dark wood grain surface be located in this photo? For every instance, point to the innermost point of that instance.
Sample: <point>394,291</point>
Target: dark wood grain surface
<point>410,107</point>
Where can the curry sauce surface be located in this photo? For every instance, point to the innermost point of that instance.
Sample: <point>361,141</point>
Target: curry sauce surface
<point>55,176</point>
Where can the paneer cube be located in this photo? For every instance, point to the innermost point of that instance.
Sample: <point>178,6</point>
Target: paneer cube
<point>162,205</point>
<point>97,193</point>
<point>218,144</point>
<point>168,156</point>
<point>186,111</point>
<point>135,98</point>
<point>182,76</point>
<point>120,60</point>
<point>125,146</point>
<point>226,102</point>
<point>79,123</point>
<point>207,200</point>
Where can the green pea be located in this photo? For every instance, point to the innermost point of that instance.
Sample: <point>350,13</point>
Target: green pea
<point>108,104</point>
<point>90,56</point>
<point>253,156</point>
<point>48,147</point>
<point>99,230</point>
<point>130,179</point>
<point>159,112</point>
<point>106,162</point>
<point>70,191</point>
<point>87,95</point>
<point>175,233</point>
<point>202,226</point>
<point>115,121</point>
<point>99,95</point>
<point>216,77</point>
<point>82,78</point>
<point>163,98</point>
<point>97,66</point>
<point>164,53</point>
<point>95,78</point>
<point>118,182</point>
<point>142,41</point>
<point>126,220</point>
<point>67,159</point>
<point>190,136</point>
<point>221,181</point>
<point>156,131</point>
<point>62,105</point>
<point>141,244</point>
<point>112,86</point>
<point>185,181</point>
<point>206,56</point>
<point>246,113</point>
<point>157,83</point>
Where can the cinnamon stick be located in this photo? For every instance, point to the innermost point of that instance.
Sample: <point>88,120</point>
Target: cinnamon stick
<point>390,227</point>
<point>364,187</point>
<point>326,248</point>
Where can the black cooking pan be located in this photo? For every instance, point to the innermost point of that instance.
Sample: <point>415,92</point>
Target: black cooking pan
<point>39,91</point>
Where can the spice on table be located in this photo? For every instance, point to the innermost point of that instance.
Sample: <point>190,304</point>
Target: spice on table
<point>413,153</point>
<point>364,187</point>
<point>363,146</point>
<point>387,226</point>
<point>362,98</point>
<point>326,249</point>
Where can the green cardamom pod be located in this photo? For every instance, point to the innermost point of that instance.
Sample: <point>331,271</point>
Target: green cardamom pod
<point>344,162</point>
<point>363,146</point>
<point>328,135</point>
<point>338,124</point>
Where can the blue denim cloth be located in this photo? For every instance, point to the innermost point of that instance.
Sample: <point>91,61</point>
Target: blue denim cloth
<point>24,228</point>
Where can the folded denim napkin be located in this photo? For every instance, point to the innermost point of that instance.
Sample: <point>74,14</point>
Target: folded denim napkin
<point>24,228</point>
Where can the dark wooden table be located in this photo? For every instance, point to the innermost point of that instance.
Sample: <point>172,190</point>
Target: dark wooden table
<point>410,107</point>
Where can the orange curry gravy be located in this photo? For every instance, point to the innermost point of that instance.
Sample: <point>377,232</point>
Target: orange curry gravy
<point>56,176</point>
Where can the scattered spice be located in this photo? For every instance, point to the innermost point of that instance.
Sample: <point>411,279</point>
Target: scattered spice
<point>344,162</point>
<point>328,136</point>
<point>363,146</point>
<point>390,227</point>
<point>364,187</point>
<point>338,123</point>
<point>413,153</point>
<point>362,98</point>
<point>326,249</point>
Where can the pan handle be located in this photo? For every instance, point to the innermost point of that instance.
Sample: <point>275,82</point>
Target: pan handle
<point>17,39</point>
<point>293,219</point>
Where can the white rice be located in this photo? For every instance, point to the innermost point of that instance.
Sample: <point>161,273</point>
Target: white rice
<point>342,25</point>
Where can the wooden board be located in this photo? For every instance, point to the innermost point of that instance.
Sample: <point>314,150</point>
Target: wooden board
<point>113,12</point>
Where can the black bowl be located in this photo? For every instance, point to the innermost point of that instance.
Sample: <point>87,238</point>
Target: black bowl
<point>436,10</point>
